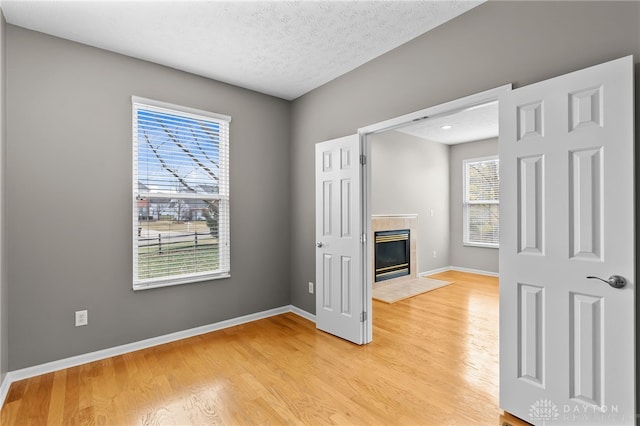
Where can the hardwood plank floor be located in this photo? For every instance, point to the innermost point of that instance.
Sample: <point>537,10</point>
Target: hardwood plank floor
<point>433,361</point>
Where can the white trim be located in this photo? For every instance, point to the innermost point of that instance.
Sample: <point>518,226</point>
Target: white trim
<point>408,215</point>
<point>434,271</point>
<point>457,105</point>
<point>485,245</point>
<point>304,314</point>
<point>74,361</point>
<point>143,195</point>
<point>474,271</point>
<point>142,104</point>
<point>479,159</point>
<point>466,203</point>
<point>4,388</point>
<point>366,232</point>
<point>186,279</point>
<point>166,106</point>
<point>458,269</point>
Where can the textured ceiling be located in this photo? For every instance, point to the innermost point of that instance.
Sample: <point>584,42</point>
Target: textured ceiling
<point>470,124</point>
<point>284,49</point>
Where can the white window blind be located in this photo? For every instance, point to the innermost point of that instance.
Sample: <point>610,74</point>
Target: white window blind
<point>481,202</point>
<point>180,194</point>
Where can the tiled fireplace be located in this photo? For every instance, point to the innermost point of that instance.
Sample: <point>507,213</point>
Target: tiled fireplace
<point>391,231</point>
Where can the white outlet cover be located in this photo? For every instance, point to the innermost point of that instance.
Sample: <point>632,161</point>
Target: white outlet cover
<point>82,318</point>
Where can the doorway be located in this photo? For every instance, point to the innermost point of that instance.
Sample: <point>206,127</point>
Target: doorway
<point>415,126</point>
<point>444,172</point>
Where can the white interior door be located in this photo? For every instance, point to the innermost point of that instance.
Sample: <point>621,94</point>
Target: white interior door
<point>339,248</point>
<point>567,342</point>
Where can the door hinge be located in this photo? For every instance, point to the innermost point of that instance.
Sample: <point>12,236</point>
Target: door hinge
<point>363,159</point>
<point>363,238</point>
<point>363,316</point>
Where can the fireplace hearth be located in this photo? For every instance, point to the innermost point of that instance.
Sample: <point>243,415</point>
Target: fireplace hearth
<point>392,254</point>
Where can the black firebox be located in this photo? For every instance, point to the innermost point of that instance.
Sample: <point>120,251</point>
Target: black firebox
<point>392,254</point>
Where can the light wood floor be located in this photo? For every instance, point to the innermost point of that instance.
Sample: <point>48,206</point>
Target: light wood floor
<point>433,361</point>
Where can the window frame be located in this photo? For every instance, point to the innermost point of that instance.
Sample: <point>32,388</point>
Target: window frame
<point>224,270</point>
<point>466,203</point>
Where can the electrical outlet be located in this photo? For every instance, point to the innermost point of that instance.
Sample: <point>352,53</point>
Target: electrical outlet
<point>435,254</point>
<point>82,318</point>
<point>310,287</point>
<point>431,212</point>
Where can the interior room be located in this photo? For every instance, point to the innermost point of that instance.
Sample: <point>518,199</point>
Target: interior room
<point>417,171</point>
<point>240,346</point>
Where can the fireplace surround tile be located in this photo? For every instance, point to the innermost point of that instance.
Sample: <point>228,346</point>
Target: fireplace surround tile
<point>393,222</point>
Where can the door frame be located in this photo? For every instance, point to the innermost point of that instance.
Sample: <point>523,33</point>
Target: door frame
<point>446,108</point>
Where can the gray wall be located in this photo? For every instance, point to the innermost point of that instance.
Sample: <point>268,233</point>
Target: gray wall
<point>411,175</point>
<point>493,44</point>
<point>68,200</point>
<point>481,258</point>
<point>68,164</point>
<point>4,312</point>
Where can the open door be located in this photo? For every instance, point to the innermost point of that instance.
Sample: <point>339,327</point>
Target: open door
<point>567,260</point>
<point>339,239</point>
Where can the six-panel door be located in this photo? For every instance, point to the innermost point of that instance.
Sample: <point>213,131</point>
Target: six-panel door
<point>339,257</point>
<point>567,212</point>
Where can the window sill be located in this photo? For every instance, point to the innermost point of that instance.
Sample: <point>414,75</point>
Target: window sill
<point>493,246</point>
<point>179,281</point>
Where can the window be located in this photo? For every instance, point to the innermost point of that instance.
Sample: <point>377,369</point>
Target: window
<point>180,195</point>
<point>481,202</point>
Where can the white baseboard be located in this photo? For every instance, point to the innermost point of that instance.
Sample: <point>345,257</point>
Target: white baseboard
<point>49,367</point>
<point>459,269</point>
<point>434,271</point>
<point>304,314</point>
<point>474,271</point>
<point>4,388</point>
